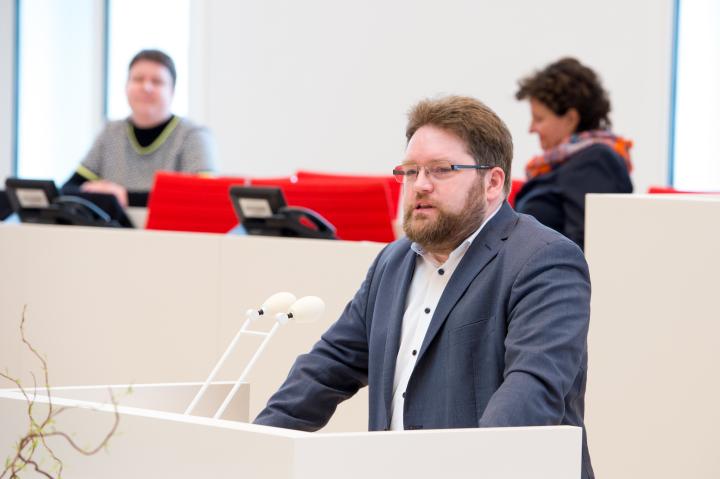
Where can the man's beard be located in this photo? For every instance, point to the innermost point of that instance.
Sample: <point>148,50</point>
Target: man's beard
<point>447,230</point>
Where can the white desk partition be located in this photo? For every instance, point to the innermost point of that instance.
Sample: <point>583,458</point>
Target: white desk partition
<point>151,443</point>
<point>653,392</point>
<point>168,397</point>
<point>126,307</point>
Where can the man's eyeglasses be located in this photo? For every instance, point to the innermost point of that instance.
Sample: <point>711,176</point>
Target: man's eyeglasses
<point>440,170</point>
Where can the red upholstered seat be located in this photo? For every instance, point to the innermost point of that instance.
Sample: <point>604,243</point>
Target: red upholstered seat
<point>670,190</point>
<point>359,209</point>
<point>662,190</point>
<point>183,202</point>
<point>272,181</point>
<point>514,188</point>
<point>394,188</point>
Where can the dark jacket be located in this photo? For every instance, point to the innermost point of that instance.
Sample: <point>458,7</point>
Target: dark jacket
<point>506,346</point>
<point>557,199</point>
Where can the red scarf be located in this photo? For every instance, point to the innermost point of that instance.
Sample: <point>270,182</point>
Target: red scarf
<point>554,157</point>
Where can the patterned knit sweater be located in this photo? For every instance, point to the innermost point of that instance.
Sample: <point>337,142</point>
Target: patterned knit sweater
<point>117,156</point>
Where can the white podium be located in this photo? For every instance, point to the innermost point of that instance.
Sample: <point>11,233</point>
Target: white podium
<point>156,444</point>
<point>166,313</point>
<point>157,307</point>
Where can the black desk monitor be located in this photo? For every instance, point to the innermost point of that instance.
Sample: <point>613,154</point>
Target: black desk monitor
<point>263,211</point>
<point>38,201</point>
<point>5,208</point>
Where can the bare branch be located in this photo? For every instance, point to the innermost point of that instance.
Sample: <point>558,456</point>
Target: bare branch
<point>36,437</point>
<point>53,455</point>
<point>36,466</point>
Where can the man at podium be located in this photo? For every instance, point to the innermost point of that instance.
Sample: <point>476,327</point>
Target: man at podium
<point>477,318</point>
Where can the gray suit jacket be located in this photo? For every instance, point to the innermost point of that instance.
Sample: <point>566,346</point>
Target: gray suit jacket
<point>506,346</point>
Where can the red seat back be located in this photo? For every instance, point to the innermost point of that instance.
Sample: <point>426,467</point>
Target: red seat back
<point>394,188</point>
<point>653,190</point>
<point>514,188</point>
<point>183,202</point>
<point>359,210</point>
<point>272,181</point>
<point>664,190</point>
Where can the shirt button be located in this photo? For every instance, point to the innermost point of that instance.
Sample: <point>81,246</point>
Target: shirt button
<point>441,271</point>
<point>403,395</point>
<point>414,353</point>
<point>427,310</point>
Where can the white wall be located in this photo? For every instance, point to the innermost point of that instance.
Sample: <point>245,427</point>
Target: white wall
<point>7,73</point>
<point>326,85</point>
<point>128,33</point>
<point>60,97</point>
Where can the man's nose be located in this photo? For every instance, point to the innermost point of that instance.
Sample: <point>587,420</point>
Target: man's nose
<point>422,182</point>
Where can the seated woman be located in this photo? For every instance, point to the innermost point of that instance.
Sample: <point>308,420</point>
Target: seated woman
<point>127,153</point>
<point>581,155</point>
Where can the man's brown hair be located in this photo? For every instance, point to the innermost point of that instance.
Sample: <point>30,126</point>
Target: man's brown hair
<point>486,136</point>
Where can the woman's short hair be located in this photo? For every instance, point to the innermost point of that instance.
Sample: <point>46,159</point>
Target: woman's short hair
<point>566,84</point>
<point>156,56</point>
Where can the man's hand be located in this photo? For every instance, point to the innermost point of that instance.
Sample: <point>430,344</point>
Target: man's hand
<point>105,186</point>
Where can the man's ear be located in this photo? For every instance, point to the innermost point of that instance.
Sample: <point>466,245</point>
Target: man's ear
<point>494,183</point>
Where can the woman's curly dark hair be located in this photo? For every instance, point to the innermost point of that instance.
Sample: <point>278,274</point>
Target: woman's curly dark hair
<point>566,84</point>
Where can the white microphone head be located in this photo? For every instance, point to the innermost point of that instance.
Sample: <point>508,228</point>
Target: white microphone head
<point>277,303</point>
<point>305,310</point>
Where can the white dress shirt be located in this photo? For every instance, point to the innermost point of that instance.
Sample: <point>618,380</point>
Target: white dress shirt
<point>426,288</point>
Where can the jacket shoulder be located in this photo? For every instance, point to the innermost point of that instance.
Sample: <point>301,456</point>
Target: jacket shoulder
<point>530,235</point>
<point>596,156</point>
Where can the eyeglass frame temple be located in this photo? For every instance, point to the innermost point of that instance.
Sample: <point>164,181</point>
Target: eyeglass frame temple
<point>454,168</point>
<point>471,167</point>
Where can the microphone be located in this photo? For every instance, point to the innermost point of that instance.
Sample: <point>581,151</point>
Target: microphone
<point>304,310</point>
<point>277,303</point>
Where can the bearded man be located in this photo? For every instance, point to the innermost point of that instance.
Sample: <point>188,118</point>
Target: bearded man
<point>478,318</point>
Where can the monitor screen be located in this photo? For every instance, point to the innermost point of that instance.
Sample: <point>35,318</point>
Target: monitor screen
<point>5,208</point>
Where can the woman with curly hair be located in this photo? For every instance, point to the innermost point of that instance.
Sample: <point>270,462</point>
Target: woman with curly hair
<point>581,155</point>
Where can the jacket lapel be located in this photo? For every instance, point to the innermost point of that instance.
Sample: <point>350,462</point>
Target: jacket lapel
<point>404,273</point>
<point>482,250</point>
